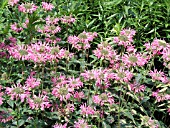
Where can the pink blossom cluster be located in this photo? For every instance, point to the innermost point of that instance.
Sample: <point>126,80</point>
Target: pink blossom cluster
<point>13,2</point>
<point>52,39</point>
<point>122,75</point>
<point>27,8</point>
<point>11,41</point>
<point>136,87</point>
<point>67,19</point>
<point>47,6</point>
<point>32,82</point>
<point>157,46</point>
<point>63,92</point>
<point>105,51</point>
<point>101,77</point>
<point>81,123</point>
<point>15,27</point>
<point>51,20</point>
<point>60,125</point>
<point>134,59</point>
<point>38,52</point>
<point>39,102</point>
<point>5,117</point>
<point>64,87</point>
<point>103,99</point>
<point>81,42</point>
<point>50,29</point>
<point>166,57</point>
<point>158,75</point>
<point>25,24</point>
<point>18,92</point>
<point>160,96</point>
<point>87,110</point>
<point>125,37</point>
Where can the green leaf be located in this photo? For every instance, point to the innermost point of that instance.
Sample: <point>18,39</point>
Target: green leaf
<point>130,116</point>
<point>11,103</point>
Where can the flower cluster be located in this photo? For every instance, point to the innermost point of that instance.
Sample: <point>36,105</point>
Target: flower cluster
<point>15,27</point>
<point>32,82</point>
<point>67,19</point>
<point>136,87</point>
<point>38,52</point>
<point>81,42</point>
<point>160,96</point>
<point>13,2</point>
<point>134,59</point>
<point>81,123</point>
<point>101,77</point>
<point>105,51</point>
<point>47,6</point>
<point>103,98</point>
<point>158,75</point>
<point>18,91</point>
<point>27,8</point>
<point>39,102</point>
<point>87,110</point>
<point>157,46</point>
<point>125,37</point>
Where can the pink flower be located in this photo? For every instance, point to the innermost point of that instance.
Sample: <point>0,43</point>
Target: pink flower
<point>81,123</point>
<point>82,40</point>
<point>25,24</point>
<point>134,59</point>
<point>158,75</point>
<point>18,91</point>
<point>157,46</point>
<point>136,87</point>
<point>70,108</point>
<point>60,126</point>
<point>125,37</point>
<point>105,51</point>
<point>13,2</point>
<point>27,8</point>
<point>51,20</point>
<point>75,83</point>
<point>103,98</point>
<point>78,95</point>
<point>32,82</point>
<point>123,75</point>
<point>5,117</point>
<point>87,110</point>
<point>63,92</point>
<point>16,28</point>
<point>39,102</point>
<point>67,19</point>
<point>47,6</point>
